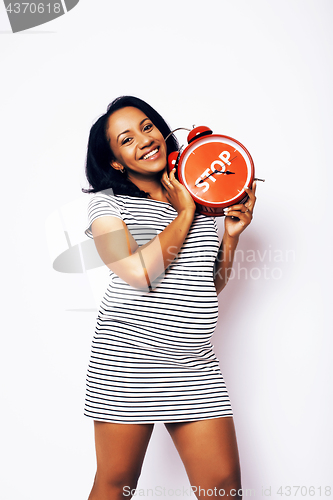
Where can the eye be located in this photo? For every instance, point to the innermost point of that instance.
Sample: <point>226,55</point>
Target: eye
<point>148,127</point>
<point>126,140</point>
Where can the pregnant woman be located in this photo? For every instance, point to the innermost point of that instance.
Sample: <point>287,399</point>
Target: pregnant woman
<point>152,358</point>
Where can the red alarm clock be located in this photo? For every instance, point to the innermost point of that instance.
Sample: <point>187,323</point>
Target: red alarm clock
<point>215,169</point>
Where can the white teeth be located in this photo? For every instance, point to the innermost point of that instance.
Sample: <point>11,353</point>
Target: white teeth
<point>150,154</point>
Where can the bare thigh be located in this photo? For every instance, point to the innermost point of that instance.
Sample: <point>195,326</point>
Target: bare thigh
<point>208,449</point>
<point>120,450</point>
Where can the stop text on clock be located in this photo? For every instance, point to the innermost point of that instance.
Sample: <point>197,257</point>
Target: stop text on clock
<point>208,173</point>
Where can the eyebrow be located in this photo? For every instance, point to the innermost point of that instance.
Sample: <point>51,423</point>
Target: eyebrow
<point>126,131</point>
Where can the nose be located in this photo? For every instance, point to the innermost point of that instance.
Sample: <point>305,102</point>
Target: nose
<point>144,140</point>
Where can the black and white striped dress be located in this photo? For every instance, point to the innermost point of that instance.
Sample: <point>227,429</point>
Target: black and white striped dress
<point>152,358</point>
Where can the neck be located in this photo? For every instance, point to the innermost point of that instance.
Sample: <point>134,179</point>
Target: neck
<point>152,186</point>
<point>159,194</point>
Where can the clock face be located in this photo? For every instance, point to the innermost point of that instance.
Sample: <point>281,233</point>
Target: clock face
<point>215,169</point>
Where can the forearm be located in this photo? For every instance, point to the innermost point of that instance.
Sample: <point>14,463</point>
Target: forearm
<point>224,261</point>
<point>158,254</point>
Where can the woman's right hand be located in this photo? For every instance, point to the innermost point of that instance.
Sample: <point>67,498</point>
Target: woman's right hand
<point>176,193</point>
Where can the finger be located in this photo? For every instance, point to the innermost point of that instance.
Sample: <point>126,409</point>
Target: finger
<point>253,187</point>
<point>172,175</point>
<point>166,180</point>
<point>250,205</point>
<point>252,199</point>
<point>239,207</point>
<point>246,216</point>
<point>240,221</point>
<point>173,178</point>
<point>251,191</point>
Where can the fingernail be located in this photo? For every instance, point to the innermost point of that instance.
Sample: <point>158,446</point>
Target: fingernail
<point>226,209</point>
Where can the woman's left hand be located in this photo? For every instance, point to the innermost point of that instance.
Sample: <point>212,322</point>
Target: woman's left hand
<point>243,212</point>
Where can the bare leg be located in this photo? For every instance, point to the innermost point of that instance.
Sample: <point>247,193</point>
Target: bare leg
<point>120,450</point>
<point>208,449</point>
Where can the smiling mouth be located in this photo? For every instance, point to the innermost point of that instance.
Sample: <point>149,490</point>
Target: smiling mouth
<point>150,154</point>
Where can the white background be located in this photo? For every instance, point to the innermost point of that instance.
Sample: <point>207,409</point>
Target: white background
<point>259,71</point>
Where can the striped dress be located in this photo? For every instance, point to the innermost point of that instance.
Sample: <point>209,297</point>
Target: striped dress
<point>152,359</point>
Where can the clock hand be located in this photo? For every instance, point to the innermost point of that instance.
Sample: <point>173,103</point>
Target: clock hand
<point>226,172</point>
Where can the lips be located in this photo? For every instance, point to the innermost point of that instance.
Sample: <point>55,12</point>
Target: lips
<point>150,154</point>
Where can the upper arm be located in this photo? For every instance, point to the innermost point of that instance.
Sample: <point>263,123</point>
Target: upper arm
<point>113,240</point>
<point>116,247</point>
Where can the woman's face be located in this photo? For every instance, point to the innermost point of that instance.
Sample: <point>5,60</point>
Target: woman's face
<point>136,143</point>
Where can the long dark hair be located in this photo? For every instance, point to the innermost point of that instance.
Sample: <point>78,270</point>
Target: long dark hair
<point>99,172</point>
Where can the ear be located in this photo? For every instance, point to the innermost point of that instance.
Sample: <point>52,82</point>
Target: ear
<point>117,166</point>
